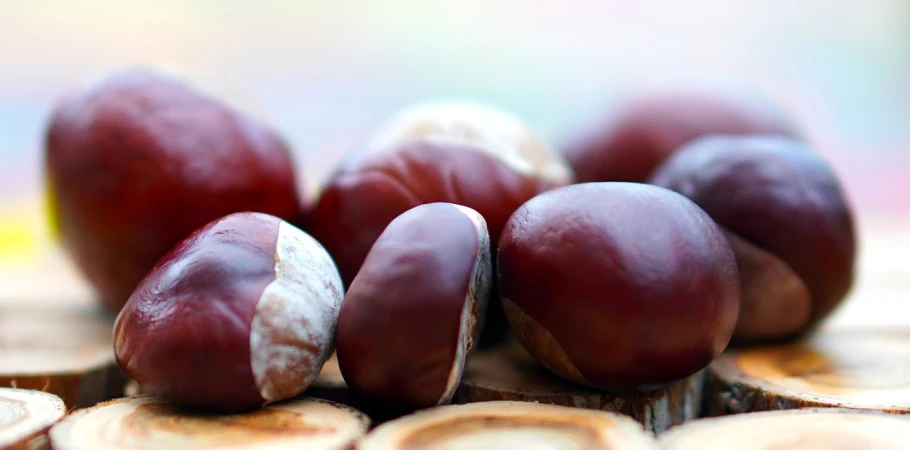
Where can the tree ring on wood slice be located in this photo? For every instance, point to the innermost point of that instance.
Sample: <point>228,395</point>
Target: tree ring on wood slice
<point>25,417</point>
<point>151,423</point>
<point>65,351</point>
<point>508,372</point>
<point>506,424</point>
<point>855,369</point>
<point>808,429</point>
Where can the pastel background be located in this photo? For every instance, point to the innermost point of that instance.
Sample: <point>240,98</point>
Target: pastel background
<point>328,72</point>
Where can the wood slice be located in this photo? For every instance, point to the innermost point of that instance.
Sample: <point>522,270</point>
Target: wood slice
<point>64,351</point>
<point>506,424</point>
<point>855,369</point>
<point>140,423</point>
<point>508,372</point>
<point>25,417</point>
<point>808,429</point>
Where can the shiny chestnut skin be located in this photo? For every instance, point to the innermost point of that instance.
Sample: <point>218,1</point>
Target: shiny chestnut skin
<point>139,159</point>
<point>412,313</point>
<point>240,314</point>
<point>619,286</point>
<point>788,217</point>
<point>457,152</point>
<point>627,143</point>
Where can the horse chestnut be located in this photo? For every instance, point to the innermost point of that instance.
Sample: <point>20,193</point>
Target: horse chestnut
<point>413,312</point>
<point>140,159</point>
<point>787,218</point>
<point>619,286</point>
<point>643,130</point>
<point>461,153</point>
<point>240,314</point>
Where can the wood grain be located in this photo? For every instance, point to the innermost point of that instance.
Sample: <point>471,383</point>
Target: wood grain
<point>855,369</point>
<point>25,417</point>
<point>141,423</point>
<point>63,350</point>
<point>806,429</point>
<point>508,372</point>
<point>509,425</point>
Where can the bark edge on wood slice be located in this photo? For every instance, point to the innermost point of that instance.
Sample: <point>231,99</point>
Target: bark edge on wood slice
<point>811,428</point>
<point>508,372</point>
<point>847,368</point>
<point>25,417</point>
<point>64,351</point>
<point>507,424</point>
<point>148,422</point>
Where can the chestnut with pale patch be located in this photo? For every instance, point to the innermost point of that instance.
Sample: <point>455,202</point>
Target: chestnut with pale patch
<point>619,286</point>
<point>413,313</point>
<point>455,152</point>
<point>789,222</point>
<point>240,314</point>
<point>140,158</point>
<point>480,128</point>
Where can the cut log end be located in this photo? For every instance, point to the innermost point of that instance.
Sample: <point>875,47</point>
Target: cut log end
<point>807,429</point>
<point>25,417</point>
<point>508,372</point>
<point>151,423</point>
<point>67,352</point>
<point>509,425</point>
<point>855,369</point>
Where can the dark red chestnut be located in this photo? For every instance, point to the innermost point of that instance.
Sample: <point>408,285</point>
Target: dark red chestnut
<point>460,153</point>
<point>412,313</point>
<point>449,152</point>
<point>641,131</point>
<point>618,286</point>
<point>140,159</point>
<point>788,221</point>
<point>240,314</point>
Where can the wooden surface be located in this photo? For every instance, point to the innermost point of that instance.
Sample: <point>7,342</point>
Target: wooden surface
<point>25,417</point>
<point>140,423</point>
<point>508,372</point>
<point>862,369</point>
<point>509,425</point>
<point>809,429</point>
<point>62,349</point>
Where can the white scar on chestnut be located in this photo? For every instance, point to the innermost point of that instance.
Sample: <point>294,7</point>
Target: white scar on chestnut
<point>487,130</point>
<point>293,329</point>
<point>475,300</point>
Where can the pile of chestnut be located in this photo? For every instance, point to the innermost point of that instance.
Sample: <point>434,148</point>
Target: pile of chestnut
<point>631,259</point>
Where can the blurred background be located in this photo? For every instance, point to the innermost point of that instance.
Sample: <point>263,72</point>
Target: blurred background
<point>328,72</point>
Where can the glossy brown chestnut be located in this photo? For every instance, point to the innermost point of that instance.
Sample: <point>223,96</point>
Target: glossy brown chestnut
<point>461,153</point>
<point>140,159</point>
<point>643,130</point>
<point>240,314</point>
<point>788,220</point>
<point>411,314</point>
<point>619,286</point>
